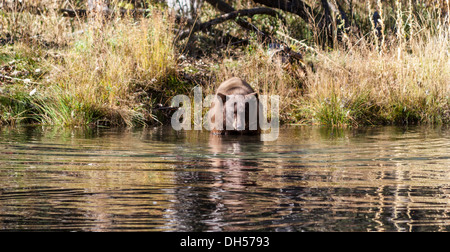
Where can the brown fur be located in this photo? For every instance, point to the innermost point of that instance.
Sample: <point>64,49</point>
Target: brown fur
<point>233,86</point>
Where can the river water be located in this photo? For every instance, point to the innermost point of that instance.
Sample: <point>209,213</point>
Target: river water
<point>156,179</point>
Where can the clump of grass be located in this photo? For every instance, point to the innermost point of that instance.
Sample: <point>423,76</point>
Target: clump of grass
<point>65,109</point>
<point>106,70</point>
<point>106,66</point>
<point>402,81</point>
<point>15,109</point>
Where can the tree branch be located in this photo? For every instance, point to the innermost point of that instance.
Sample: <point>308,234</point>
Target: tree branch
<point>226,8</point>
<point>293,6</point>
<point>231,15</point>
<point>324,20</point>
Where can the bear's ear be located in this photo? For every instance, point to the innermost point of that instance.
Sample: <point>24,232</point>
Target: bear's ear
<point>251,94</point>
<point>223,97</point>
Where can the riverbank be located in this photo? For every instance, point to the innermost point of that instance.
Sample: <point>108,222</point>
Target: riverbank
<point>114,71</point>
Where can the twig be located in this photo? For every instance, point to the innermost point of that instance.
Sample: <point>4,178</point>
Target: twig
<point>2,76</point>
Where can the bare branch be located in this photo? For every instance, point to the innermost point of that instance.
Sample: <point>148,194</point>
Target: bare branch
<point>231,15</point>
<point>294,6</point>
<point>226,8</point>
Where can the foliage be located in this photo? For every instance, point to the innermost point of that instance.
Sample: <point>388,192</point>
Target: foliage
<point>113,70</point>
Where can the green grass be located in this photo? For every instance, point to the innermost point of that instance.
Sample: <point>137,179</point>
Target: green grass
<point>15,109</point>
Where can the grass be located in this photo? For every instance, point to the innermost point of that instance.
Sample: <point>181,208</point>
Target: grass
<point>103,72</point>
<point>112,71</point>
<point>369,88</point>
<point>108,64</point>
<point>407,81</point>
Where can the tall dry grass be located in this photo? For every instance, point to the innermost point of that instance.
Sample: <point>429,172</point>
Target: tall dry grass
<point>100,69</point>
<point>401,77</point>
<point>109,65</point>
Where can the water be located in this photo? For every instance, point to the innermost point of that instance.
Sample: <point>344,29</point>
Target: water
<point>310,179</point>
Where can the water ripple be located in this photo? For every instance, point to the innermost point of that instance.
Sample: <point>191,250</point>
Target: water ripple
<point>310,179</point>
